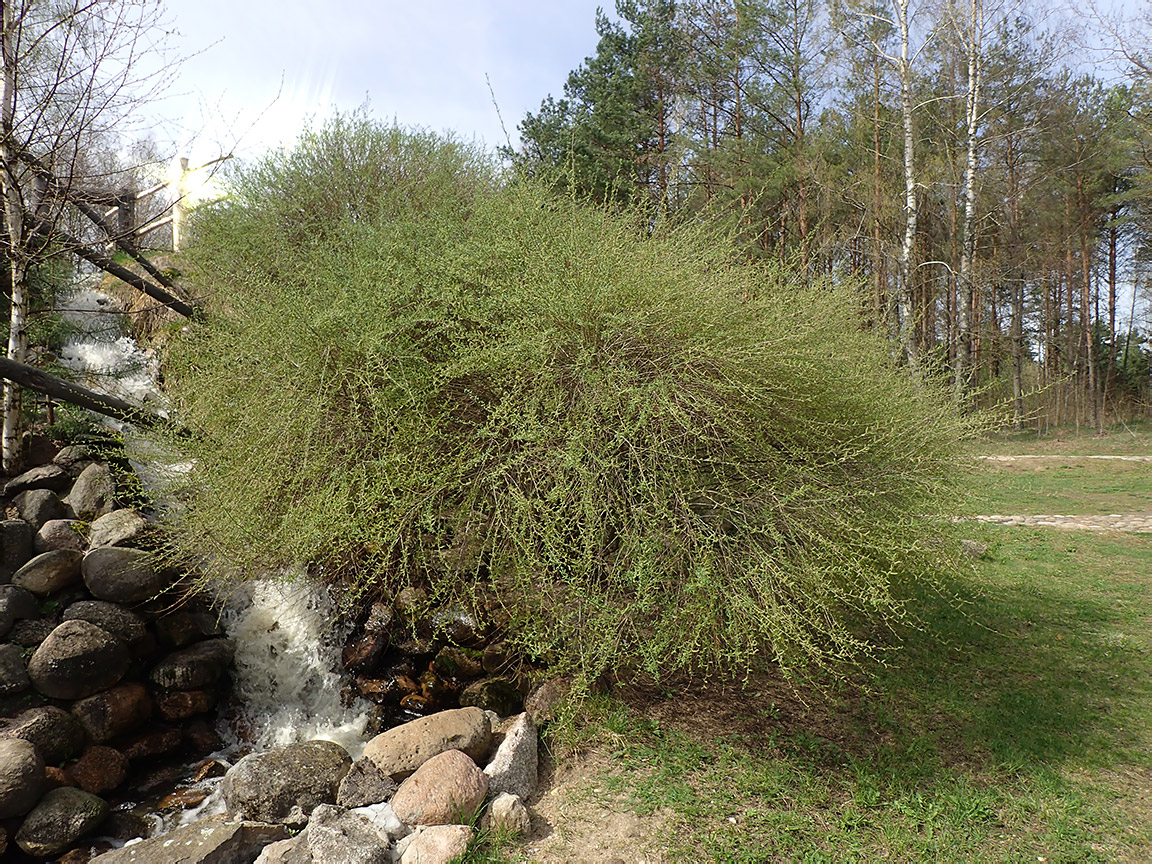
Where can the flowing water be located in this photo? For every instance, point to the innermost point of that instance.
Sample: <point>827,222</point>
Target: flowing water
<point>285,628</point>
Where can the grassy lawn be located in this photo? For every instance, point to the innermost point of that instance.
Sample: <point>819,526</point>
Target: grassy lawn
<point>1068,485</point>
<point>1066,478</point>
<point>1014,723</point>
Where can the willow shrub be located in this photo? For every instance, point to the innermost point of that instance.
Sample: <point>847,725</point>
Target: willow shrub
<point>626,445</point>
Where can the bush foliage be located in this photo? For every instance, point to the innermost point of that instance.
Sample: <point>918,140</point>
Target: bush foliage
<point>621,441</point>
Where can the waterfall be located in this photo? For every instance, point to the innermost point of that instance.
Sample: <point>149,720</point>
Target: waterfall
<point>288,686</point>
<point>288,643</point>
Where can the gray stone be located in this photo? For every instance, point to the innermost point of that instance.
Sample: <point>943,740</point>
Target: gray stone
<point>178,629</point>
<point>973,549</point>
<point>123,575</point>
<point>384,817</point>
<point>49,571</point>
<point>15,603</point>
<point>21,777</point>
<point>13,672</point>
<point>76,660</point>
<point>55,733</point>
<point>364,784</point>
<point>75,458</point>
<point>30,632</point>
<point>544,702</point>
<point>214,840</point>
<point>60,534</point>
<point>43,477</point>
<point>37,506</point>
<point>447,789</point>
<point>114,618</point>
<point>435,844</point>
<point>293,850</point>
<point>94,492</point>
<point>61,818</point>
<point>507,815</point>
<point>513,768</point>
<point>400,751</point>
<point>338,836</point>
<point>16,546</point>
<point>285,784</point>
<point>194,667</point>
<point>118,528</point>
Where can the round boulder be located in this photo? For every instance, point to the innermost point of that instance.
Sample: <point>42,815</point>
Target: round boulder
<point>194,667</point>
<point>13,672</point>
<point>76,660</point>
<point>118,528</point>
<point>21,777</point>
<point>499,695</point>
<point>60,534</point>
<point>15,603</point>
<point>61,818</point>
<point>111,617</point>
<point>55,733</point>
<point>122,575</point>
<point>93,493</point>
<point>285,784</point>
<point>446,790</point>
<point>49,571</point>
<point>37,506</point>
<point>75,458</point>
<point>16,537</point>
<point>400,751</point>
<point>114,712</point>
<point>42,477</point>
<point>101,769</point>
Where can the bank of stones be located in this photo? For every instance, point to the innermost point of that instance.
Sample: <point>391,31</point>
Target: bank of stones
<point>113,670</point>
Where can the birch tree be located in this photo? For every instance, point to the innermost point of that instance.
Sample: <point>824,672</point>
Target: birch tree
<point>71,77</point>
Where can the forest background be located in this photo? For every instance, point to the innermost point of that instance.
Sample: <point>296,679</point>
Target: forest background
<point>987,195</point>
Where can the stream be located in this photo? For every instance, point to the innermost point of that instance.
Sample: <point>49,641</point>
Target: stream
<point>287,683</point>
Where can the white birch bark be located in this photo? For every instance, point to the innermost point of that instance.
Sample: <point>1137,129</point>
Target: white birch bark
<point>906,312</point>
<point>968,250</point>
<point>12,437</point>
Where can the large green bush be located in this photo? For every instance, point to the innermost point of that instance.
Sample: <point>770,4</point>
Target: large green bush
<point>634,447</point>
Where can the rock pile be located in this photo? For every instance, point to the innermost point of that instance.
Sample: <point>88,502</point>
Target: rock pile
<point>111,670</point>
<point>109,664</point>
<point>411,799</point>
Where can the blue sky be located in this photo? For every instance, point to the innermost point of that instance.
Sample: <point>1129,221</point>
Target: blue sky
<point>258,69</point>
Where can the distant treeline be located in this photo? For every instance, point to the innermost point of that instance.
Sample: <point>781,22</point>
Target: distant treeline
<point>992,203</point>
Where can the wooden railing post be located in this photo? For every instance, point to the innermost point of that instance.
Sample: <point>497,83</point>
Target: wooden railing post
<point>179,208</point>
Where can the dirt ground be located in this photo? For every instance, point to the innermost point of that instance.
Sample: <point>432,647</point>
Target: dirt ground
<point>575,820</point>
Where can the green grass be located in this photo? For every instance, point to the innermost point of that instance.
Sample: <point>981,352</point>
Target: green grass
<point>1066,478</point>
<point>1014,723</point>
<point>1065,485</point>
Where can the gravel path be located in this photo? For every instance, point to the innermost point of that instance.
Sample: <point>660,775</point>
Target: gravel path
<point>1064,458</point>
<point>1137,523</point>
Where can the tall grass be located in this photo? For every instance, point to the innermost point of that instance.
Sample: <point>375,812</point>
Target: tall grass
<point>621,442</point>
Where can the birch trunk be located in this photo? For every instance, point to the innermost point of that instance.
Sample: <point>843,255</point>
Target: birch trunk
<point>906,312</point>
<point>968,251</point>
<point>11,439</point>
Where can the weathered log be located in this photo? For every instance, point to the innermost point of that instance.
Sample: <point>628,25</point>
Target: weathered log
<point>93,256</point>
<point>66,391</point>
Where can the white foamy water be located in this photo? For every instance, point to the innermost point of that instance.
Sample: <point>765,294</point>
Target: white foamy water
<point>288,641</point>
<point>109,360</point>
